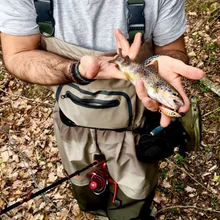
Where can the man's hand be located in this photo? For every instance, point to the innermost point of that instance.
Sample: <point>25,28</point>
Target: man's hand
<point>99,67</point>
<point>170,69</point>
<point>92,67</point>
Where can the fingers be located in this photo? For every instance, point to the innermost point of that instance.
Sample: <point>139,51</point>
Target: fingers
<point>118,45</point>
<point>186,101</point>
<point>192,72</point>
<point>164,120</point>
<point>178,86</point>
<point>108,70</point>
<point>141,91</point>
<point>127,50</point>
<point>181,68</point>
<point>122,42</point>
<point>149,103</point>
<point>116,74</point>
<point>135,47</point>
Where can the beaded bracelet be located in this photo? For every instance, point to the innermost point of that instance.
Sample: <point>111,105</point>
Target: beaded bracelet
<point>150,59</point>
<point>76,76</point>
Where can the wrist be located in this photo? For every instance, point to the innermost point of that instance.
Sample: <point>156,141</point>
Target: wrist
<point>76,76</point>
<point>177,54</point>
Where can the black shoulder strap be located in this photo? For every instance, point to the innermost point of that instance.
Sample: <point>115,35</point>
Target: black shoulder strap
<point>45,19</point>
<point>135,21</point>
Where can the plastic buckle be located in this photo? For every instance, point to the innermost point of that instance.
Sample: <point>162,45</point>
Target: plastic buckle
<point>45,20</point>
<point>136,20</point>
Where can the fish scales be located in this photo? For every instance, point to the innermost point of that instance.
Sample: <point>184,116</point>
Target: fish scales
<point>156,87</point>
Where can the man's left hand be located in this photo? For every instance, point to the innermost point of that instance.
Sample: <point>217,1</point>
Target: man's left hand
<point>170,69</point>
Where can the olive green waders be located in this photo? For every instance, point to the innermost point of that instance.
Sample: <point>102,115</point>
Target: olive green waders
<point>79,145</point>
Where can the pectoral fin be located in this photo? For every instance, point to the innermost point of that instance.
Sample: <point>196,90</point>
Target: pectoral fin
<point>128,77</point>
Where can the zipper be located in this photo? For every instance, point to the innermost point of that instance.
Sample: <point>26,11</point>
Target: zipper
<point>92,103</point>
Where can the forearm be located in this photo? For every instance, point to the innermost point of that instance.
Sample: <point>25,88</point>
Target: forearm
<point>39,67</point>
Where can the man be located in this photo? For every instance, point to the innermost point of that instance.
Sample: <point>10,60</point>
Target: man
<point>89,27</point>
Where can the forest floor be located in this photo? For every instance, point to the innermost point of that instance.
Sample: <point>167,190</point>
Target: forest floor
<point>189,188</point>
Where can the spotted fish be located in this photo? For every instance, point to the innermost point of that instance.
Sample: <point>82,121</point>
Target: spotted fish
<point>157,88</point>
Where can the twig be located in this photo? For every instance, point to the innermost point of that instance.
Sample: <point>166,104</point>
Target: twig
<point>211,1</point>
<point>209,113</point>
<point>187,207</point>
<point>4,103</point>
<point>211,85</point>
<point>208,145</point>
<point>181,168</point>
<point>206,19</point>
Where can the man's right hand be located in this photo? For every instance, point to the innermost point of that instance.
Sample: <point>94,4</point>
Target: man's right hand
<point>92,67</point>
<point>99,67</point>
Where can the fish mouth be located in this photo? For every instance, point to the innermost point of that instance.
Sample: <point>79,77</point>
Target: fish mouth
<point>170,108</point>
<point>174,105</point>
<point>171,102</point>
<point>178,103</point>
<point>169,112</point>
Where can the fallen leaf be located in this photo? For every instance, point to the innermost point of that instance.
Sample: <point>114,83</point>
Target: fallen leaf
<point>217,179</point>
<point>5,156</point>
<point>158,198</point>
<point>165,184</point>
<point>189,189</point>
<point>52,177</point>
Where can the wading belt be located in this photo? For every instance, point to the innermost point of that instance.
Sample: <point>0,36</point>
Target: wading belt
<point>135,20</point>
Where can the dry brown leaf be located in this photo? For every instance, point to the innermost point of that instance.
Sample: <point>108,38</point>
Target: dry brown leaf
<point>189,189</point>
<point>166,184</point>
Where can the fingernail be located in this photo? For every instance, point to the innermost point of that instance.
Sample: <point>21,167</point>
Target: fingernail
<point>182,114</point>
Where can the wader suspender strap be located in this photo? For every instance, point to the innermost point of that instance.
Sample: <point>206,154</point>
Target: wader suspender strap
<point>45,20</point>
<point>135,21</point>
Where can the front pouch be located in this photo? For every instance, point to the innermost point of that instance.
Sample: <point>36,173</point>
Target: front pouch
<point>103,104</point>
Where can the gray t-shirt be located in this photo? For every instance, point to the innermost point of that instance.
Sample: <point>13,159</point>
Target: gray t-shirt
<point>91,23</point>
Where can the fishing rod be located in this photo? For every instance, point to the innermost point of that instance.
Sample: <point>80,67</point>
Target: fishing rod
<point>33,195</point>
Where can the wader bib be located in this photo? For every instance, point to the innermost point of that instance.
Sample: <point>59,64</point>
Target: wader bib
<point>79,145</point>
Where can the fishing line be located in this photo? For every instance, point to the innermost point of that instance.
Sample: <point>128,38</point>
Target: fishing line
<point>33,195</point>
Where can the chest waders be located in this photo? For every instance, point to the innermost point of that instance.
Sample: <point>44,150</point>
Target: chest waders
<point>79,146</point>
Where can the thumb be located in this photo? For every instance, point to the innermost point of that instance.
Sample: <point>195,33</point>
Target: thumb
<point>89,67</point>
<point>191,72</point>
<point>181,68</point>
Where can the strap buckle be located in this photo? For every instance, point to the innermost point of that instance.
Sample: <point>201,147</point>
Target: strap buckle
<point>45,20</point>
<point>136,20</point>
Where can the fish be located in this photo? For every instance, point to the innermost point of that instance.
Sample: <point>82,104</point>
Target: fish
<point>157,88</point>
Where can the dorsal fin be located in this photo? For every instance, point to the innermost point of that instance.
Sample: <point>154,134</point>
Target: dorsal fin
<point>126,58</point>
<point>153,66</point>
